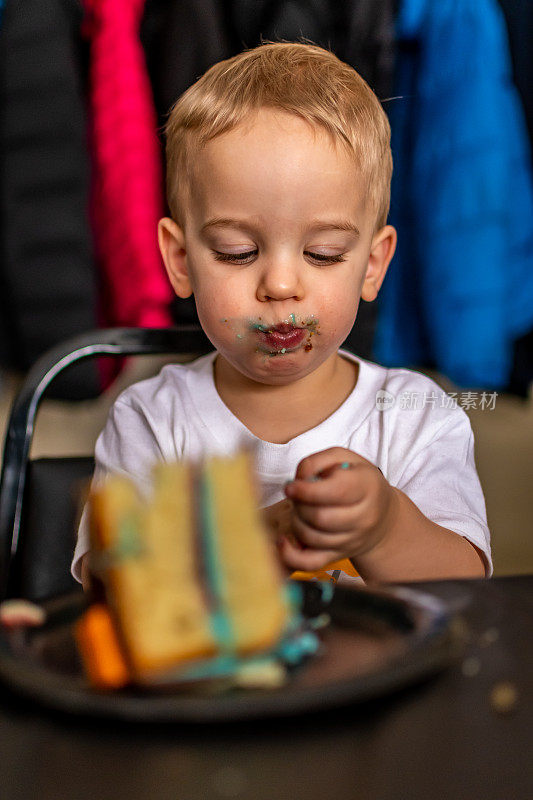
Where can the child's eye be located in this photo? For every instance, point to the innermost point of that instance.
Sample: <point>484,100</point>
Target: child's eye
<point>245,258</point>
<point>235,258</point>
<point>321,258</point>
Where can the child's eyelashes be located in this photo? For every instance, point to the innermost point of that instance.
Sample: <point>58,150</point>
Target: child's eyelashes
<point>235,258</point>
<point>246,258</point>
<point>322,258</point>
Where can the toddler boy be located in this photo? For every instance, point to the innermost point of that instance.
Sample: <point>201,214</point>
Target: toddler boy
<point>278,170</point>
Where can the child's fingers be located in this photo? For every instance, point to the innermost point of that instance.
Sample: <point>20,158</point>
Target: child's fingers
<point>297,558</point>
<point>342,486</point>
<point>313,465</point>
<point>309,536</point>
<point>328,519</point>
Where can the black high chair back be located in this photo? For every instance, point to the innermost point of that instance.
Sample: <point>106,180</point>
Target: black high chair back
<point>38,498</point>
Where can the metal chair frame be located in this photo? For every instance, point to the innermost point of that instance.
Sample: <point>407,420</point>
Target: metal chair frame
<point>117,342</point>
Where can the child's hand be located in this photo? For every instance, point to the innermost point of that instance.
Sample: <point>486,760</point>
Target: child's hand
<point>86,577</point>
<point>341,505</point>
<point>278,518</point>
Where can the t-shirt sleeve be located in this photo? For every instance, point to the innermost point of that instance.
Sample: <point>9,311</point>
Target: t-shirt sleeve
<point>441,479</point>
<point>129,445</point>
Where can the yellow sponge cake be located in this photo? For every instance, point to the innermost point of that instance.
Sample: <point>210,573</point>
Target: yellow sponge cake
<point>189,575</point>
<point>242,567</point>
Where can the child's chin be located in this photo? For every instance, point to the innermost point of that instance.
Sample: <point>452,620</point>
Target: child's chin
<point>271,367</point>
<point>283,367</point>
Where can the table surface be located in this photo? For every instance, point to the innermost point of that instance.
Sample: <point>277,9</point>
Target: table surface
<point>443,738</point>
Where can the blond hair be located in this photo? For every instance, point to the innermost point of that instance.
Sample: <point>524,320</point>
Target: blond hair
<point>301,79</point>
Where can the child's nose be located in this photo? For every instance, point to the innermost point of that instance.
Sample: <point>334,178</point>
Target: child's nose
<point>280,280</point>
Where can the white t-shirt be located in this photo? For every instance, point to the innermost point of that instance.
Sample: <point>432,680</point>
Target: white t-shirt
<point>399,420</point>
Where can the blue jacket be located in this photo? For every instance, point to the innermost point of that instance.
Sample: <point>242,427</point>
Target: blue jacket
<point>460,288</point>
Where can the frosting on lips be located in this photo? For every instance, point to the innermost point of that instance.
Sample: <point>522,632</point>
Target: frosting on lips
<point>282,337</point>
<point>285,336</point>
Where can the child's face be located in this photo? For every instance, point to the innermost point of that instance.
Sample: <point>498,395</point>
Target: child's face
<point>277,247</point>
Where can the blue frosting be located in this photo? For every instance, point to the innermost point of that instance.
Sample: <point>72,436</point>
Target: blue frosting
<point>220,622</point>
<point>298,642</point>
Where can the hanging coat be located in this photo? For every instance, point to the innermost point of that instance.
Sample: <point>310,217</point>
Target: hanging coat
<point>48,290</point>
<point>460,288</point>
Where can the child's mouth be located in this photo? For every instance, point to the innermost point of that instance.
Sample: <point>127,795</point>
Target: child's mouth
<point>281,338</point>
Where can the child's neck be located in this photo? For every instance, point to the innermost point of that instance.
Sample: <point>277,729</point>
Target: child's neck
<point>280,413</point>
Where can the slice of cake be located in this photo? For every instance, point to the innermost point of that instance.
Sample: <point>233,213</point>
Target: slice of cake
<point>241,565</point>
<point>145,554</point>
<point>192,584</point>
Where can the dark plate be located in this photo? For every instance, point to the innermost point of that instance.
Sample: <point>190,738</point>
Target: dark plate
<point>376,643</point>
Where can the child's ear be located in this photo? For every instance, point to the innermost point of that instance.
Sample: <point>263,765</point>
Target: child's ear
<point>381,253</point>
<point>172,246</point>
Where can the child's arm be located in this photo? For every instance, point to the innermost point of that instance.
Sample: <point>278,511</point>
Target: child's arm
<point>278,518</point>
<point>86,577</point>
<point>415,548</point>
<point>351,511</point>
